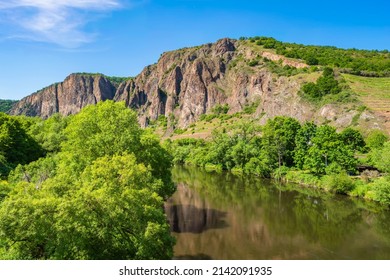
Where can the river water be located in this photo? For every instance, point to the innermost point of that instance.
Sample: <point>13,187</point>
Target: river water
<point>223,216</point>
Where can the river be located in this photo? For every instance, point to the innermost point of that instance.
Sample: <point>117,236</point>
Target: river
<point>224,216</point>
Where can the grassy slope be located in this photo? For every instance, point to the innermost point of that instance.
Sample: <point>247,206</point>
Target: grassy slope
<point>374,93</point>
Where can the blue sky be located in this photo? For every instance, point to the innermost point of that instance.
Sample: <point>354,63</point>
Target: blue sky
<point>42,41</point>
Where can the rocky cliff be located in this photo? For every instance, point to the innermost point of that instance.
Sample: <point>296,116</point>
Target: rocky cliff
<point>68,97</point>
<point>186,83</point>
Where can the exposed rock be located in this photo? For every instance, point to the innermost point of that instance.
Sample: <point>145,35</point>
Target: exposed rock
<point>68,97</point>
<point>285,61</point>
<point>187,83</point>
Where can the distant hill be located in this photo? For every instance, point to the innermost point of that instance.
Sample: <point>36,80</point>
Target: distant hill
<point>6,105</point>
<point>259,77</point>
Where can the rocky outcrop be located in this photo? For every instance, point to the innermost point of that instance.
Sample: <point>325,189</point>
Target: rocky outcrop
<point>68,97</point>
<point>189,82</point>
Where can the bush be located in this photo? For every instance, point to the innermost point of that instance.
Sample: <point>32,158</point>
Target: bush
<point>303,178</point>
<point>253,63</point>
<point>258,167</point>
<point>338,183</point>
<point>333,168</point>
<point>381,190</point>
<point>280,172</point>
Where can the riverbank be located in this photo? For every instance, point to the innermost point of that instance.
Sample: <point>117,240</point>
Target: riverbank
<point>219,215</point>
<point>371,187</point>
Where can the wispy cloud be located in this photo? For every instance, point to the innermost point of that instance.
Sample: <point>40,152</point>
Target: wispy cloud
<point>55,21</point>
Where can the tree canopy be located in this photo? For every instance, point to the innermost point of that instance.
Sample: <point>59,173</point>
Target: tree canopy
<point>97,195</point>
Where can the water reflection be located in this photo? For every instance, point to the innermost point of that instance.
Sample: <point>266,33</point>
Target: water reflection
<point>192,214</point>
<point>222,216</point>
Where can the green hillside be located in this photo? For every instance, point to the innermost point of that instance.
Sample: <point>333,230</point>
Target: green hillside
<point>354,61</point>
<point>6,105</point>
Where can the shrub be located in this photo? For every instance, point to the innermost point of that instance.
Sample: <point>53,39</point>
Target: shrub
<point>338,183</point>
<point>280,172</point>
<point>381,190</point>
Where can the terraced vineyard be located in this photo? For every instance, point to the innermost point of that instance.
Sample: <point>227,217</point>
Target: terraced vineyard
<point>374,93</point>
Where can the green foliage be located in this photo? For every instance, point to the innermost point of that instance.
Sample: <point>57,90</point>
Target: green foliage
<point>376,139</point>
<point>311,60</point>
<point>113,79</point>
<point>353,139</point>
<point>302,177</point>
<point>381,190</point>
<point>16,145</point>
<point>6,105</point>
<point>220,109</point>
<point>278,68</point>
<point>303,141</point>
<point>5,188</point>
<point>358,62</point>
<point>381,157</point>
<point>279,138</point>
<point>325,85</point>
<point>327,147</point>
<point>50,133</point>
<point>338,183</point>
<point>100,196</point>
<point>258,166</point>
<point>251,108</point>
<point>112,212</point>
<point>281,142</point>
<point>253,63</point>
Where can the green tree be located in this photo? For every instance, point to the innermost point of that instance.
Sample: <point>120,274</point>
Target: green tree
<point>279,139</point>
<point>112,212</point>
<point>326,84</point>
<point>16,146</point>
<point>303,141</point>
<point>376,139</point>
<point>50,133</point>
<point>100,197</point>
<point>353,138</point>
<point>381,157</point>
<point>327,147</point>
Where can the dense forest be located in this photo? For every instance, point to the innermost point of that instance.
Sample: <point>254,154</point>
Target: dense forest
<point>372,63</point>
<point>88,186</point>
<point>6,105</point>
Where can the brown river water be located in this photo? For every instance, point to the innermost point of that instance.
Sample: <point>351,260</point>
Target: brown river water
<point>224,217</point>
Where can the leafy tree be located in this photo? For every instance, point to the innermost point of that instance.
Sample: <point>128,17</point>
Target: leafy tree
<point>376,139</point>
<point>303,141</point>
<point>50,133</point>
<point>381,190</point>
<point>16,146</point>
<point>279,139</point>
<point>327,147</point>
<point>353,139</point>
<point>381,157</point>
<point>326,84</point>
<point>112,212</point>
<point>100,197</point>
<point>6,105</point>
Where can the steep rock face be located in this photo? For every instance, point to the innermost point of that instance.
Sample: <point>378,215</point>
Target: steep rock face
<point>190,82</point>
<point>68,97</point>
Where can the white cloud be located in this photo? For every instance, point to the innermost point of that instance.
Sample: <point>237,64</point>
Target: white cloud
<point>55,21</point>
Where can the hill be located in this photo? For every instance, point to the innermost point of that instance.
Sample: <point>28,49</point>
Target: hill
<point>257,78</point>
<point>6,105</point>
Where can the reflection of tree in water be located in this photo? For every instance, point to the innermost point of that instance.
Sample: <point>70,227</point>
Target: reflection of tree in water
<point>382,224</point>
<point>326,221</point>
<point>188,218</point>
<point>287,221</point>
